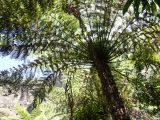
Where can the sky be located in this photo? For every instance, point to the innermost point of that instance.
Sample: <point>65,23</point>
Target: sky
<point>6,62</point>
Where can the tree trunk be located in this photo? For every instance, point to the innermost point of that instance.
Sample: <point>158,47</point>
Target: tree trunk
<point>110,90</point>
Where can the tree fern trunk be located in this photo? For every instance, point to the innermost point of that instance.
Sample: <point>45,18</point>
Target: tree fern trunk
<point>110,90</point>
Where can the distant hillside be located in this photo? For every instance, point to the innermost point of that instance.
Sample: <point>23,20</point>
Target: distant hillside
<point>8,102</point>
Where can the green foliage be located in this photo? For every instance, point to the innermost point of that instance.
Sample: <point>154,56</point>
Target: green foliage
<point>22,12</point>
<point>23,113</point>
<point>127,5</point>
<point>67,38</point>
<point>87,98</point>
<point>148,5</point>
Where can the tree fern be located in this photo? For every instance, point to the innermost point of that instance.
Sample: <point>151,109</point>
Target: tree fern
<point>86,33</point>
<point>23,113</point>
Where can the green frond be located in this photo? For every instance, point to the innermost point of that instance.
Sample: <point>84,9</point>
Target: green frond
<point>23,113</point>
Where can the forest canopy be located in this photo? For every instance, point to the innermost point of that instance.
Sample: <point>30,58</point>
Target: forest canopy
<point>106,51</point>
